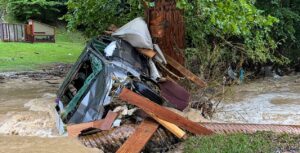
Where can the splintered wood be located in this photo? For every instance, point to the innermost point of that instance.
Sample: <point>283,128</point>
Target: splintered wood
<point>185,72</point>
<point>108,121</point>
<point>75,130</point>
<point>136,142</point>
<point>104,124</point>
<point>162,113</point>
<point>171,127</point>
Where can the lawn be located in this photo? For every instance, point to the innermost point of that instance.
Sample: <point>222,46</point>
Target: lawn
<point>261,142</point>
<point>28,57</point>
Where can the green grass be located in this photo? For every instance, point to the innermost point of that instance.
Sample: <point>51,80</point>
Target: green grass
<point>261,142</point>
<point>26,56</point>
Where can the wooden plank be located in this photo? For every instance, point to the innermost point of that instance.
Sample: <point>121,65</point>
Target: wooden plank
<point>104,124</point>
<point>137,141</point>
<point>75,129</point>
<point>147,52</point>
<point>185,72</point>
<point>108,121</point>
<point>163,113</point>
<point>171,127</point>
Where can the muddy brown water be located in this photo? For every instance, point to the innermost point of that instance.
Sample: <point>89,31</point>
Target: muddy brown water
<point>27,123</point>
<point>265,101</point>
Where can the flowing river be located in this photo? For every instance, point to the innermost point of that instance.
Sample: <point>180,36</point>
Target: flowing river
<point>27,122</point>
<point>265,101</point>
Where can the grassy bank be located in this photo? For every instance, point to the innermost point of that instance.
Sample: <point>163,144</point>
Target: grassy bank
<point>27,56</point>
<point>261,142</point>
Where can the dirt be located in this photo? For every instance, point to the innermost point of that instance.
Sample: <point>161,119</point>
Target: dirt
<point>25,144</point>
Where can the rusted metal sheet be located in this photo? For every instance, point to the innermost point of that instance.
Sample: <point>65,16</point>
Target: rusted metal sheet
<point>166,24</point>
<point>251,128</point>
<point>111,141</point>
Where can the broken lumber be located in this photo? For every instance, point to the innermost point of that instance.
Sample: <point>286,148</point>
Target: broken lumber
<point>147,52</point>
<point>185,72</point>
<point>104,124</point>
<point>75,129</point>
<point>108,121</point>
<point>163,113</point>
<point>179,133</point>
<point>137,141</point>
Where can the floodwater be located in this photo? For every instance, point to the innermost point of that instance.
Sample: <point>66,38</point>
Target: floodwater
<point>265,101</point>
<point>27,122</point>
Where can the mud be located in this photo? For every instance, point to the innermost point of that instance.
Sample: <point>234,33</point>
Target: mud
<point>265,101</point>
<point>25,144</point>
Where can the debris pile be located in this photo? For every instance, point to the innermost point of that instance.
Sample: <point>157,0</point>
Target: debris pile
<point>117,96</point>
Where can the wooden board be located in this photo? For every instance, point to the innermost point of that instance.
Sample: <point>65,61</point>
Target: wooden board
<point>75,130</point>
<point>137,141</point>
<point>108,121</point>
<point>185,72</point>
<point>171,127</point>
<point>104,124</point>
<point>162,113</point>
<point>147,52</point>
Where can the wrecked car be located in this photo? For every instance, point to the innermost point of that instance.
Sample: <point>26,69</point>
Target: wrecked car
<point>88,97</point>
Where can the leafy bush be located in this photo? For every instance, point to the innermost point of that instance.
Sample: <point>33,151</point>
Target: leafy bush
<point>94,16</point>
<point>218,32</point>
<point>44,10</point>
<point>227,32</point>
<point>286,31</point>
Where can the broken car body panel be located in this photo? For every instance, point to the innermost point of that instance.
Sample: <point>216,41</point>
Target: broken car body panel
<point>85,91</point>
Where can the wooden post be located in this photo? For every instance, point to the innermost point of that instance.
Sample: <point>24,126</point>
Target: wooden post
<point>166,25</point>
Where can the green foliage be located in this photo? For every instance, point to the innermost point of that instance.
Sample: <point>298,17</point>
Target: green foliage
<point>286,31</point>
<point>231,30</point>
<point>93,17</point>
<point>3,4</point>
<point>44,10</point>
<point>218,31</point>
<point>234,143</point>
